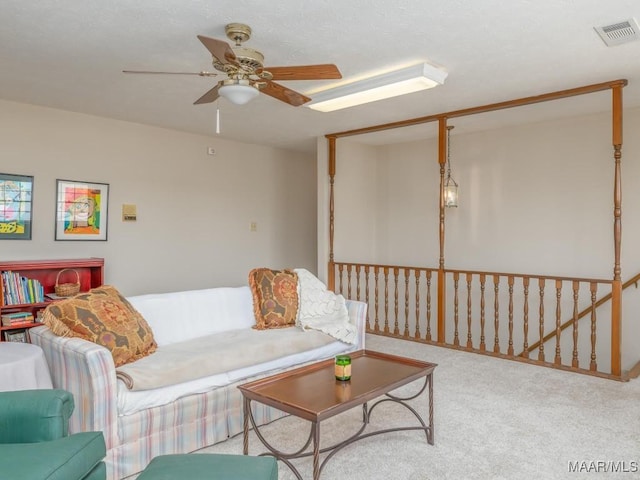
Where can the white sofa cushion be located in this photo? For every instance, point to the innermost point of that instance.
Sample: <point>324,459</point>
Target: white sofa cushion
<point>180,316</point>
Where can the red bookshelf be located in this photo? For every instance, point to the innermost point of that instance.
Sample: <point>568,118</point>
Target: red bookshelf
<point>90,273</point>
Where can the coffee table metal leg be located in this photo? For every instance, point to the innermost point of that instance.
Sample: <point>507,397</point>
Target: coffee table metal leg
<point>430,436</point>
<point>316,450</point>
<point>282,456</point>
<point>245,425</point>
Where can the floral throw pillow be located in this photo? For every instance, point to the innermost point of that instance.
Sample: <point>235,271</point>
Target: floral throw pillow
<point>275,297</point>
<point>103,316</point>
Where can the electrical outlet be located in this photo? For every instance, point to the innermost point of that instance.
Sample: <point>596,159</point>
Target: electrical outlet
<point>253,226</point>
<point>211,151</point>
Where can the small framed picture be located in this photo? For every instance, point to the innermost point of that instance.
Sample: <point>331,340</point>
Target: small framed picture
<point>16,193</point>
<point>16,336</point>
<point>81,210</point>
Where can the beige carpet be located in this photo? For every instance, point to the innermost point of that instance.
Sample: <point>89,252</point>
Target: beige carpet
<point>494,419</point>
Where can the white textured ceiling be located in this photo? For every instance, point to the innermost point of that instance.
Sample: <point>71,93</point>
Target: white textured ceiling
<point>69,54</point>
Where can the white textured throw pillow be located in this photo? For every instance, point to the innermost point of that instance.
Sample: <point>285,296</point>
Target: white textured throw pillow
<point>321,309</point>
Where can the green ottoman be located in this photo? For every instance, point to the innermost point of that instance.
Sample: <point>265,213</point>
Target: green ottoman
<point>210,466</point>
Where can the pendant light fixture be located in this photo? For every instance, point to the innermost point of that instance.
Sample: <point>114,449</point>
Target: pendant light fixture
<point>450,185</point>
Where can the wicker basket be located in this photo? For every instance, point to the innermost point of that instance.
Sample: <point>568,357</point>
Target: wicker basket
<point>67,289</point>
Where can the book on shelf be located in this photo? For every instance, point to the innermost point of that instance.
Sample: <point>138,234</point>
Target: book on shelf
<point>9,319</point>
<point>17,289</point>
<point>53,296</point>
<point>25,323</point>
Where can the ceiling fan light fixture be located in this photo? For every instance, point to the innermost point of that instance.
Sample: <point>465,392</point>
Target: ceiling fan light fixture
<point>238,91</point>
<point>393,84</point>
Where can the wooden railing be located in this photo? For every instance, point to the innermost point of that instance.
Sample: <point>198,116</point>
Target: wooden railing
<point>632,281</point>
<point>508,315</point>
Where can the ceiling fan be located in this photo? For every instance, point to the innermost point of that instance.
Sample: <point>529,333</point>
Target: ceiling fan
<point>246,74</point>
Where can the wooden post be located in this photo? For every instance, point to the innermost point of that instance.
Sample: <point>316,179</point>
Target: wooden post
<point>616,287</point>
<point>442,292</point>
<point>331,277</point>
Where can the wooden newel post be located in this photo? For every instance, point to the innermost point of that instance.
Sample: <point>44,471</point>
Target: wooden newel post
<point>442,291</point>
<point>616,287</point>
<point>331,277</point>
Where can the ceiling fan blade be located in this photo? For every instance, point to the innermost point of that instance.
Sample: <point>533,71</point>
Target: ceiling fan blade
<point>285,94</point>
<point>210,96</point>
<point>305,72</point>
<point>219,49</point>
<point>201,74</point>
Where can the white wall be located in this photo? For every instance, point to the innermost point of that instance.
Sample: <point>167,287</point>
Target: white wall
<point>194,210</point>
<point>535,198</point>
<point>408,206</point>
<point>355,190</point>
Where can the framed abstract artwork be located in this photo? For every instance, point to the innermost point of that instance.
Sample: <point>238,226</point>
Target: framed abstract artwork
<point>16,192</point>
<point>82,210</point>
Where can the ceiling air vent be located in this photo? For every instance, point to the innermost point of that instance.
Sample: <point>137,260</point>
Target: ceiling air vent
<point>618,33</point>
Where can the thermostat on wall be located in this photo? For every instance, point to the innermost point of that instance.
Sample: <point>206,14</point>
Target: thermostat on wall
<point>129,213</point>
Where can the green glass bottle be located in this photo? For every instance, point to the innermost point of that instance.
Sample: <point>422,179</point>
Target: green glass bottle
<point>343,368</point>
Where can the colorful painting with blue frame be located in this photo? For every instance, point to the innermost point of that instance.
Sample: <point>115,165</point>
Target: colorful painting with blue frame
<point>16,206</point>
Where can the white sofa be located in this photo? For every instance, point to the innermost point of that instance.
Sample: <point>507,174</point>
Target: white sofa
<point>169,413</point>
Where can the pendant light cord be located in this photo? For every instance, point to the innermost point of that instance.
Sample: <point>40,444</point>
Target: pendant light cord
<point>449,128</point>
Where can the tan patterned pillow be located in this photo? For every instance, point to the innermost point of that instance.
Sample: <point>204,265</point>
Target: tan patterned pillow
<point>103,316</point>
<point>275,297</point>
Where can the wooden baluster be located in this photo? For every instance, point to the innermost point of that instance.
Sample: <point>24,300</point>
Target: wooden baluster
<point>574,361</point>
<point>483,346</point>
<point>456,340</point>
<point>366,293</point>
<point>406,333</point>
<point>541,324</point>
<point>340,267</point>
<point>386,299</point>
<point>496,314</point>
<point>428,337</point>
<point>594,289</point>
<point>510,347</point>
<point>376,271</point>
<point>525,345</point>
<point>358,282</point>
<point>469,336</point>
<point>396,330</point>
<point>349,280</point>
<point>417,332</point>
<point>558,358</point>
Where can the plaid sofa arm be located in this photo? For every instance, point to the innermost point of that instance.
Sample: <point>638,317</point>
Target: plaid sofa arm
<point>87,371</point>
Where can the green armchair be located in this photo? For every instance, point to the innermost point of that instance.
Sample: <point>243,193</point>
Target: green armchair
<point>35,441</point>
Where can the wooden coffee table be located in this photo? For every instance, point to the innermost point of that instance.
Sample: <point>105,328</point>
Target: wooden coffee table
<point>312,393</point>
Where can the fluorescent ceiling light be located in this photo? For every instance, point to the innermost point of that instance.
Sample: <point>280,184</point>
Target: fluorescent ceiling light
<point>392,84</point>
